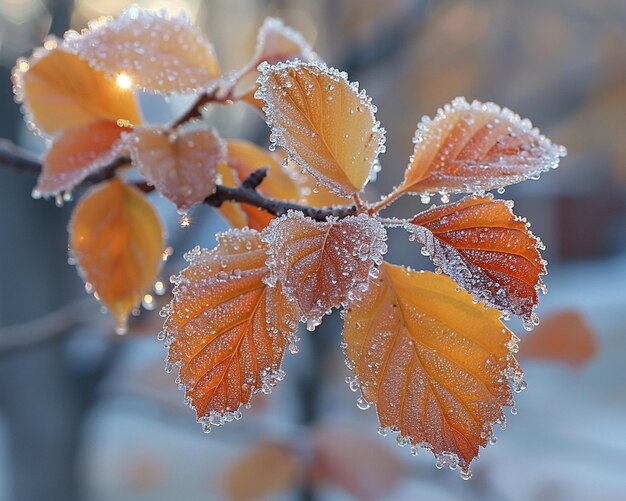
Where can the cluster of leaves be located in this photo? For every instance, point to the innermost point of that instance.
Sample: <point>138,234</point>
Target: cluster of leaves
<point>430,351</point>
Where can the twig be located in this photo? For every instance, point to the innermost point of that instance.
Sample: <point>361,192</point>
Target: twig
<point>17,159</point>
<point>47,327</point>
<point>246,193</point>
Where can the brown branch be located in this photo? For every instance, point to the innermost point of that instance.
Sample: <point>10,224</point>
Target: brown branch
<point>20,160</point>
<point>246,193</point>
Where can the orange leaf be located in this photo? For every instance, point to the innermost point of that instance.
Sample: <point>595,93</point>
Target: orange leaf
<point>244,158</point>
<point>476,147</point>
<point>323,264</point>
<point>61,91</point>
<point>323,122</point>
<point>232,211</point>
<point>156,52</point>
<point>265,469</point>
<point>488,250</point>
<point>277,43</point>
<point>77,153</point>
<point>435,364</point>
<point>181,165</point>
<point>564,336</point>
<point>226,329</point>
<point>117,239</point>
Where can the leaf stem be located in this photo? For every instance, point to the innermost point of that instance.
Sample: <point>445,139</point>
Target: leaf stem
<point>385,201</point>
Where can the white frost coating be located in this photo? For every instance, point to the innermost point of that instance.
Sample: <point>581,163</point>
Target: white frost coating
<point>540,156</point>
<point>160,52</point>
<point>219,269</point>
<point>356,244</point>
<point>282,136</point>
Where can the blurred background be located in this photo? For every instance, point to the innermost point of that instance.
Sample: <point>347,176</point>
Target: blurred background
<point>87,415</point>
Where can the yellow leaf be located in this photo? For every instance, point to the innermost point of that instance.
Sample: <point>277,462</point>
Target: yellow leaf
<point>323,264</point>
<point>322,122</point>
<point>181,165</point>
<point>152,50</point>
<point>76,153</point>
<point>226,329</point>
<point>315,194</point>
<point>61,91</point>
<point>476,147</point>
<point>435,364</point>
<point>117,240</point>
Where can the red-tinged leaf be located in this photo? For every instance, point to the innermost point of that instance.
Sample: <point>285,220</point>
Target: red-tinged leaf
<point>435,364</point>
<point>356,462</point>
<point>117,240</point>
<point>244,158</point>
<point>61,91</point>
<point>156,52</point>
<point>77,153</point>
<point>181,165</point>
<point>323,264</point>
<point>226,329</point>
<point>488,250</point>
<point>323,123</point>
<point>476,147</point>
<point>564,336</point>
<point>266,469</point>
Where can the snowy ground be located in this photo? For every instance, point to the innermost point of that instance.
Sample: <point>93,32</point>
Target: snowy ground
<point>567,442</point>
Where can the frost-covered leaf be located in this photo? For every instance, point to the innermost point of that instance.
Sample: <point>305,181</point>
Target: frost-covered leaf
<point>117,240</point>
<point>488,250</point>
<point>435,364</point>
<point>323,122</point>
<point>76,153</point>
<point>61,91</point>
<point>278,43</point>
<point>244,158</point>
<point>476,147</point>
<point>181,165</point>
<point>154,51</point>
<point>275,43</point>
<point>226,328</point>
<point>323,264</point>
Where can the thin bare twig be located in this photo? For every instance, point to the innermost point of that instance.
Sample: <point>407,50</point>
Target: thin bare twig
<point>48,326</point>
<point>17,159</point>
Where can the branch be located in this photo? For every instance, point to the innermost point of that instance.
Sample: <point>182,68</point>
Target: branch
<point>246,193</point>
<point>15,158</point>
<point>47,327</point>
